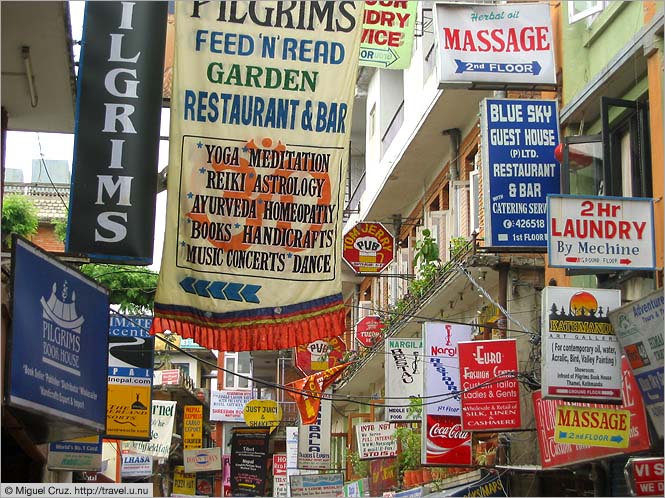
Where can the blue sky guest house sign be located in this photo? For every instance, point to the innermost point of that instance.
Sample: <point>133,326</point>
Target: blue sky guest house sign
<point>519,169</point>
<point>59,340</point>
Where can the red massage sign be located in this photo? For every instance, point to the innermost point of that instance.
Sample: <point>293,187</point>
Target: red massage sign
<point>368,248</point>
<point>600,232</point>
<point>491,396</point>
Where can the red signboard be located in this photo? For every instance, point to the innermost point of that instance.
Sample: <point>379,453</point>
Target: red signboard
<point>553,454</point>
<point>320,355</point>
<point>368,329</point>
<point>446,442</point>
<point>382,476</point>
<point>368,248</point>
<point>491,395</point>
<point>645,476</point>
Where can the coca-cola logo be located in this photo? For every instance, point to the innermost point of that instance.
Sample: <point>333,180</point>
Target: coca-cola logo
<point>448,431</point>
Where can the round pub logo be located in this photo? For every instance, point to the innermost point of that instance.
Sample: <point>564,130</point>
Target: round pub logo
<point>368,248</point>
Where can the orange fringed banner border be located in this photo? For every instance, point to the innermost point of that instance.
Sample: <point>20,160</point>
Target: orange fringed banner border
<point>258,330</point>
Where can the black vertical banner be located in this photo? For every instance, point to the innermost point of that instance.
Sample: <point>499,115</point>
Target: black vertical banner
<point>249,461</point>
<point>116,147</point>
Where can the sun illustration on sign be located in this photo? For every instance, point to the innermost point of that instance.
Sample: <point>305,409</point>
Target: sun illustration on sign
<point>583,304</point>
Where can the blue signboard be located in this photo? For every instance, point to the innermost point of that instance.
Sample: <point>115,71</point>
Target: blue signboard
<point>59,340</point>
<point>519,169</point>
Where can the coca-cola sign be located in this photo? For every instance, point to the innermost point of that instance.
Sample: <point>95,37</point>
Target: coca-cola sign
<point>446,442</point>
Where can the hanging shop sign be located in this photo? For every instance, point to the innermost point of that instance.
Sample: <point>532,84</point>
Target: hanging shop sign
<point>645,476</point>
<point>592,426</point>
<point>184,483</point>
<point>376,440</point>
<point>581,357</point>
<point>280,480</point>
<point>258,158</point>
<point>368,330</point>
<point>490,391</point>
<point>307,391</point>
<point>387,38</point>
<point>383,474</point>
<point>314,439</point>
<point>135,464</point>
<point>614,233</point>
<point>116,142</point>
<point>163,416</point>
<point>58,345</point>
<point>130,378</point>
<point>554,454</point>
<point>202,459</point>
<point>403,377</point>
<point>249,461</point>
<point>520,170</point>
<point>639,329</point>
<point>228,406</point>
<point>317,485</point>
<point>320,355</point>
<point>368,248</point>
<point>494,46</point>
<point>192,427</point>
<point>444,440</point>
<point>263,413</point>
<point>205,483</point>
<point>76,454</point>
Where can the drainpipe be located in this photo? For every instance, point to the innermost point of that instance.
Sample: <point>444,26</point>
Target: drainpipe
<point>456,137</point>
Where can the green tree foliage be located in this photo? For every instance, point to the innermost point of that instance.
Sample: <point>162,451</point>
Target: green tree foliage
<point>19,216</point>
<point>60,226</point>
<point>427,250</point>
<point>131,287</point>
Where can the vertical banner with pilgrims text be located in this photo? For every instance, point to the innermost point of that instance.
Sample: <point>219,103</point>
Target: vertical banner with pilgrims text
<point>260,127</point>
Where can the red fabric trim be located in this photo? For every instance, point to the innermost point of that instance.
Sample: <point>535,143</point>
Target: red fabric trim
<point>260,337</point>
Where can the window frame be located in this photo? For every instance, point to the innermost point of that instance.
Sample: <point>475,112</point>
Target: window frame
<point>594,7</point>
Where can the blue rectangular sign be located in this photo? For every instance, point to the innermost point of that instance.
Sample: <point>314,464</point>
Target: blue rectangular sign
<point>519,169</point>
<point>59,341</point>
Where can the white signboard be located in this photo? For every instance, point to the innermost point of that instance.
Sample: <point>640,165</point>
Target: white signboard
<point>494,44</point>
<point>228,406</point>
<point>639,329</point>
<point>76,454</point>
<point>161,428</point>
<point>442,379</point>
<point>404,377</point>
<point>317,485</point>
<point>600,232</point>
<point>581,357</point>
<point>376,440</point>
<point>135,465</point>
<point>314,439</point>
<point>202,459</point>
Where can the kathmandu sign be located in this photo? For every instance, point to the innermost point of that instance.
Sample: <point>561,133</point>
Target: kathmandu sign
<point>600,232</point>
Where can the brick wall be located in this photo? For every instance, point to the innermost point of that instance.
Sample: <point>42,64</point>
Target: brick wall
<point>47,239</point>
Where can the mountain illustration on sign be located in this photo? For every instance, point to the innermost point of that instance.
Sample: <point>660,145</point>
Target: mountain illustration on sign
<point>137,405</point>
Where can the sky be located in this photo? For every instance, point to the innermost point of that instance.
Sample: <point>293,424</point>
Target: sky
<point>23,147</point>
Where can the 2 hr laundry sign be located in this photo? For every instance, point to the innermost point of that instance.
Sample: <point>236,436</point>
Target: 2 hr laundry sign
<point>600,232</point>
<point>518,142</point>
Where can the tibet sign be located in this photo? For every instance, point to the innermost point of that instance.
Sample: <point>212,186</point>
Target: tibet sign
<point>615,233</point>
<point>494,45</point>
<point>490,392</point>
<point>368,329</point>
<point>368,248</point>
<point>592,426</point>
<point>518,142</point>
<point>645,476</point>
<point>581,355</point>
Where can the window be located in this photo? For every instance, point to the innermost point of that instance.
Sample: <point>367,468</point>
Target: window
<point>581,9</point>
<point>626,147</point>
<point>239,363</point>
<point>372,121</point>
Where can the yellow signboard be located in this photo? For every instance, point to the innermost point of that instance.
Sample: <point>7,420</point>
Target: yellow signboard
<point>128,410</point>
<point>592,426</point>
<point>263,413</point>
<point>192,428</point>
<point>183,483</point>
